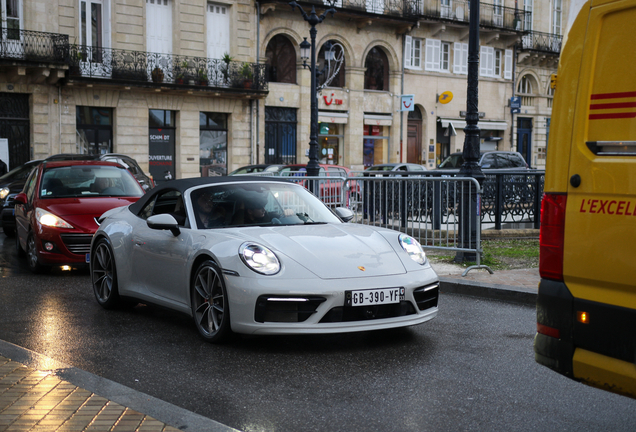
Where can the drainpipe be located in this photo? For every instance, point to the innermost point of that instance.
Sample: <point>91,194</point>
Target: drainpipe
<point>255,147</point>
<point>59,112</point>
<point>400,104</point>
<point>514,80</point>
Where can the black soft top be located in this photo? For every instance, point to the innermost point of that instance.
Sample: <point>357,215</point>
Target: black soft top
<point>182,185</point>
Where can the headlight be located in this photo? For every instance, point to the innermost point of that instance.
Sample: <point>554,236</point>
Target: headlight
<point>49,219</point>
<point>4,192</point>
<point>413,248</point>
<point>259,258</point>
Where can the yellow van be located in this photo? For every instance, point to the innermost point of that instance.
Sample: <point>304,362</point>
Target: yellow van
<point>586,308</point>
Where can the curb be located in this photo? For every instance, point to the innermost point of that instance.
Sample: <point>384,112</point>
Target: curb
<point>522,295</point>
<point>162,411</point>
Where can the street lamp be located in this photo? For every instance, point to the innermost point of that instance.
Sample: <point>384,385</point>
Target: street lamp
<point>313,168</point>
<point>469,219</point>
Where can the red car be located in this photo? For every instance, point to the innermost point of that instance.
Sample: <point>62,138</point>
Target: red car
<point>56,212</point>
<point>330,191</point>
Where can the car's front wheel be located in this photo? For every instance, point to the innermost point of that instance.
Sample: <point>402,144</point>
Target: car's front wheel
<point>209,300</point>
<point>32,256</point>
<point>104,275</point>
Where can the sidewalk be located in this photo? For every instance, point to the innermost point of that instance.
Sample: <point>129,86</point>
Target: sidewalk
<point>38,394</point>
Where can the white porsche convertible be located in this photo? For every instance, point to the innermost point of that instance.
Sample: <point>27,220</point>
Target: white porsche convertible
<point>259,256</point>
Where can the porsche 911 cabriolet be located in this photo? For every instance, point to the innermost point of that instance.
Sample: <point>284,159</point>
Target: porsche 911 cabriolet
<point>259,256</point>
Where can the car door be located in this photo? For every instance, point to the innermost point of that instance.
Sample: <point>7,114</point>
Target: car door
<point>160,255</point>
<point>23,212</point>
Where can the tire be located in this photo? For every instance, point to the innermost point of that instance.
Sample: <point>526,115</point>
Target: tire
<point>18,247</point>
<point>9,232</point>
<point>104,275</point>
<point>32,256</point>
<point>209,303</point>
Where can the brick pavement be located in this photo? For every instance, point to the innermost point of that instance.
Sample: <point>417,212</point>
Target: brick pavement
<point>38,401</point>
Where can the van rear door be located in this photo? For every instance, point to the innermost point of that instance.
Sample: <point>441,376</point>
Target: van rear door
<point>600,224</point>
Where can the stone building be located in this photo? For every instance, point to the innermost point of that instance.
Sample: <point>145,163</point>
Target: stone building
<point>194,87</point>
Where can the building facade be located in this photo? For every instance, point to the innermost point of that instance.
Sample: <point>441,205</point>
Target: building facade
<point>199,88</point>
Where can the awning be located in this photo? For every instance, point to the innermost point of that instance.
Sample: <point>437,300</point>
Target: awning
<point>378,119</point>
<point>333,117</point>
<point>483,124</point>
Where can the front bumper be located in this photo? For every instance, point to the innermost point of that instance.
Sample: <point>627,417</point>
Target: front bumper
<point>328,315</point>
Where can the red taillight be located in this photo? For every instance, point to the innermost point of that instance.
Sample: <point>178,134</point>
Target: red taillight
<point>548,331</point>
<point>551,236</point>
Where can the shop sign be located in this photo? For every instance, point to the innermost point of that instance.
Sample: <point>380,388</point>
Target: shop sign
<point>161,154</point>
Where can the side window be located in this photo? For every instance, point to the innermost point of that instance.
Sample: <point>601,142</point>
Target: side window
<point>503,161</point>
<point>31,184</point>
<point>488,161</point>
<point>517,161</point>
<point>168,202</point>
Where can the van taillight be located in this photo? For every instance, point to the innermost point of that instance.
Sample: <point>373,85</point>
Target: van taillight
<point>551,236</point>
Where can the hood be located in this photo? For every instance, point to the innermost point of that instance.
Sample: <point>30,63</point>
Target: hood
<point>332,251</point>
<point>81,212</point>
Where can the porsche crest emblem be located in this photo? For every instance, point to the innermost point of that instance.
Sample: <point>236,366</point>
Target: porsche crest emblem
<point>361,268</point>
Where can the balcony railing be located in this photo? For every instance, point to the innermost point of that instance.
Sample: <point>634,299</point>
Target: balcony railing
<point>27,45</point>
<point>490,16</point>
<point>409,9</point>
<point>544,42</point>
<point>141,66</point>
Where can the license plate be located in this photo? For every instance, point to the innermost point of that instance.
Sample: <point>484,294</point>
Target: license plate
<point>88,257</point>
<point>374,297</point>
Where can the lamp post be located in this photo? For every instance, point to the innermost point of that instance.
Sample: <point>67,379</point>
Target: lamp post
<point>313,169</point>
<point>469,219</point>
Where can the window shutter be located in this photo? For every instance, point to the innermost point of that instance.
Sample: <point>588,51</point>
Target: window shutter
<point>457,58</point>
<point>432,54</point>
<point>508,65</point>
<point>407,51</point>
<point>487,61</point>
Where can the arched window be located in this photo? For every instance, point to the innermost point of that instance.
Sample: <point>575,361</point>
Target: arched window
<point>525,85</point>
<point>281,60</point>
<point>376,77</point>
<point>336,53</point>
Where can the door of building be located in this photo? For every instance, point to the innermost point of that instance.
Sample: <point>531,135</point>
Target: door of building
<point>218,33</point>
<point>280,135</point>
<point>414,137</point>
<point>524,138</point>
<point>159,26</point>
<point>14,126</point>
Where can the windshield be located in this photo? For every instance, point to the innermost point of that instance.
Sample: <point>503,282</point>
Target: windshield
<point>257,204</point>
<point>88,181</point>
<point>381,168</point>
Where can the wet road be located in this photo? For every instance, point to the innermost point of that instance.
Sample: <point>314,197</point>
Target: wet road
<point>472,368</point>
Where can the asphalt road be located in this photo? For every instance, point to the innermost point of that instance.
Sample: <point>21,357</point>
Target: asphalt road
<point>471,368</point>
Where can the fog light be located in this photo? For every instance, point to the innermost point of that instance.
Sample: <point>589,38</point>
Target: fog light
<point>583,317</point>
<point>66,268</point>
<point>49,246</point>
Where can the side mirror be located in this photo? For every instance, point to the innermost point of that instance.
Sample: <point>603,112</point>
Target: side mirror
<point>344,213</point>
<point>21,198</point>
<point>164,222</point>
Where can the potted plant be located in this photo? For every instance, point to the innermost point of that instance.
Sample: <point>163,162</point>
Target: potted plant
<point>202,77</point>
<point>157,75</point>
<point>227,59</point>
<point>247,74</point>
<point>181,70</point>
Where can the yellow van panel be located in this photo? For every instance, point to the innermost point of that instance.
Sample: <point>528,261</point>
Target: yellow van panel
<point>600,225</point>
<point>605,372</point>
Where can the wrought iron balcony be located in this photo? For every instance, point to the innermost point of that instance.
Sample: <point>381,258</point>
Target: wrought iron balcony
<point>543,42</point>
<point>165,69</point>
<point>407,9</point>
<point>27,45</point>
<point>490,16</point>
